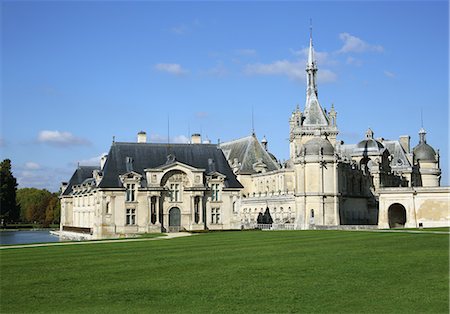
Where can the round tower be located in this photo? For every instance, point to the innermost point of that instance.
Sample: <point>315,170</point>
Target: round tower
<point>426,163</point>
<point>316,184</point>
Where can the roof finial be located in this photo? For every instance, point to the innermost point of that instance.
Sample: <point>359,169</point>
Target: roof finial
<point>253,122</point>
<point>311,61</point>
<point>421,117</point>
<point>114,139</point>
<point>168,129</point>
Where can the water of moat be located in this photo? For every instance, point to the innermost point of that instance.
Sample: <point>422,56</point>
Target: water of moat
<point>25,237</point>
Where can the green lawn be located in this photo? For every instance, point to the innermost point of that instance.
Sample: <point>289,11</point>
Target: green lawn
<point>443,229</point>
<point>241,272</point>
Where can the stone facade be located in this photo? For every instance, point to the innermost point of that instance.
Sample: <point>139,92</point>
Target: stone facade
<point>143,187</point>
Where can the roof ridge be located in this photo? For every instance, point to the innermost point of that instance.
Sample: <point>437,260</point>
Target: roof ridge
<point>237,140</point>
<point>164,144</point>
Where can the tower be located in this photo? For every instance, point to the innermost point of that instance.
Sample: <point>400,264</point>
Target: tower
<point>314,119</point>
<point>426,163</point>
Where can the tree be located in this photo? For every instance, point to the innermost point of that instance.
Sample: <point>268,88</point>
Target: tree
<point>33,204</point>
<point>52,211</point>
<point>9,211</point>
<point>267,218</point>
<point>260,218</point>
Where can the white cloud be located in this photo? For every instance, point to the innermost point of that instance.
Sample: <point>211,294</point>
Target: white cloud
<point>293,70</point>
<point>326,76</point>
<point>93,161</point>
<point>180,29</point>
<point>389,74</point>
<point>171,68</point>
<point>218,71</point>
<point>60,138</point>
<point>32,165</point>
<point>180,139</point>
<point>157,138</point>
<point>353,61</point>
<point>322,57</point>
<point>355,44</point>
<point>41,178</point>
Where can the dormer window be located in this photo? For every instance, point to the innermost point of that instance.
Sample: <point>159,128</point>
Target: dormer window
<point>215,192</point>
<point>130,192</point>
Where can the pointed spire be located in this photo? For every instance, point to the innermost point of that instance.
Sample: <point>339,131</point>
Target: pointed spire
<point>311,60</point>
<point>314,113</point>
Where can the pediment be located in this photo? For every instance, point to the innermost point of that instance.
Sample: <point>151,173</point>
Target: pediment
<point>132,175</point>
<point>174,165</point>
<point>217,175</point>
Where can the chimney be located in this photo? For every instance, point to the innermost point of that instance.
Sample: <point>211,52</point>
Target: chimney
<point>142,137</point>
<point>103,161</point>
<point>405,142</point>
<point>196,139</point>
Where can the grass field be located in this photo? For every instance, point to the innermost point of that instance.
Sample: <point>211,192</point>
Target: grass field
<point>241,272</point>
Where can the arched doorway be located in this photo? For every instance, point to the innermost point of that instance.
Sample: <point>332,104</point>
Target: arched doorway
<point>174,219</point>
<point>397,216</point>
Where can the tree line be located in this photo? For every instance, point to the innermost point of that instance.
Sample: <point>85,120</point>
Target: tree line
<point>26,205</point>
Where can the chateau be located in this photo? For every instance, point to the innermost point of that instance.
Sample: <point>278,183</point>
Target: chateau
<point>147,187</point>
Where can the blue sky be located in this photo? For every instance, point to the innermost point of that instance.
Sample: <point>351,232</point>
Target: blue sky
<point>75,74</point>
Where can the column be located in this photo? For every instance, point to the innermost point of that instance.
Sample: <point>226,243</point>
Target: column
<point>200,210</point>
<point>157,210</point>
<point>192,209</point>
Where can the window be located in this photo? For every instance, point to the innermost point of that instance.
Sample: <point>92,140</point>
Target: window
<point>215,215</point>
<point>108,209</point>
<point>130,196</point>
<point>153,210</point>
<point>197,209</point>
<point>131,216</point>
<point>215,192</point>
<point>174,192</point>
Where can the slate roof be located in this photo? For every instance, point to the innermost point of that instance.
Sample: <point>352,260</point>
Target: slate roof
<point>248,151</point>
<point>424,152</point>
<point>399,160</point>
<point>314,114</point>
<point>151,155</point>
<point>79,176</point>
<point>317,146</point>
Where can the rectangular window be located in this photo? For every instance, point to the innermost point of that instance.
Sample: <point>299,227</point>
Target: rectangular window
<point>131,216</point>
<point>215,192</point>
<point>174,192</point>
<point>130,197</point>
<point>215,215</point>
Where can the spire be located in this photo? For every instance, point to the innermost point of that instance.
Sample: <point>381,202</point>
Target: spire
<point>314,114</point>
<point>311,61</point>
